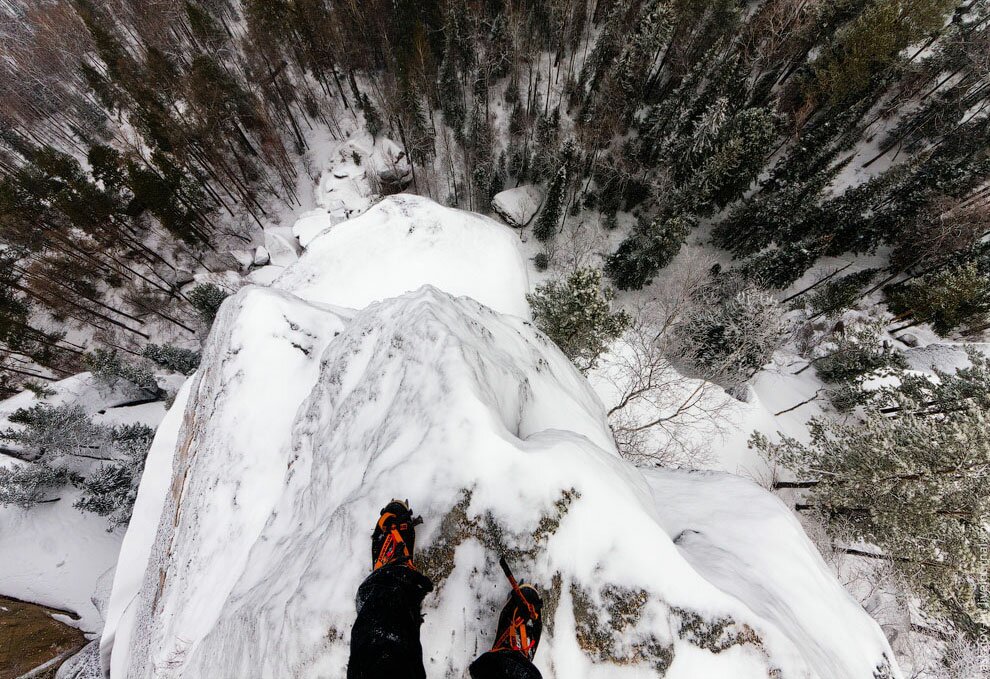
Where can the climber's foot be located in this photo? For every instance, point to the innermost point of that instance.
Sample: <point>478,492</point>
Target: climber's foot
<point>517,629</point>
<point>394,536</point>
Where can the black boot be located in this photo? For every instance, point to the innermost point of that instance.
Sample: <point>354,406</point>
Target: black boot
<point>516,638</point>
<point>394,537</point>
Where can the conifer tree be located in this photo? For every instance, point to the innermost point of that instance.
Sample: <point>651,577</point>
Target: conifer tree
<point>548,221</point>
<point>908,480</point>
<point>576,314</point>
<point>650,247</point>
<point>949,299</point>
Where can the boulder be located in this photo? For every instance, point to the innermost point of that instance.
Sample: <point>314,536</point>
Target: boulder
<point>261,256</point>
<point>518,206</point>
<point>243,258</point>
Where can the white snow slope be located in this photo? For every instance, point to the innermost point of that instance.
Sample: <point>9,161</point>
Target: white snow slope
<point>306,418</point>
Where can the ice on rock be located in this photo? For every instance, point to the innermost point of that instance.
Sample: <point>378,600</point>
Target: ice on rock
<point>251,531</point>
<point>518,206</point>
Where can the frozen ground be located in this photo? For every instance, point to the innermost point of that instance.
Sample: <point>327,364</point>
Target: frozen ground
<point>248,545</point>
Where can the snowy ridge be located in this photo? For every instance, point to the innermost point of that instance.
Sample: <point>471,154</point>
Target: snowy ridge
<point>306,418</point>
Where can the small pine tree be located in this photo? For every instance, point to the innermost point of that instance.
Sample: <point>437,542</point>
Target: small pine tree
<point>58,438</point>
<point>841,294</point>
<point>858,352</point>
<point>577,315</point>
<point>957,297</point>
<point>452,95</point>
<point>29,484</point>
<point>780,267</point>
<point>49,431</point>
<point>910,478</point>
<point>109,369</point>
<point>372,118</point>
<point>730,334</point>
<point>651,246</point>
<point>173,358</point>
<point>111,490</point>
<point>553,208</point>
<point>206,298</point>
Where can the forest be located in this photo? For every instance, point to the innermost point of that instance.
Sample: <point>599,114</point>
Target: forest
<point>144,140</point>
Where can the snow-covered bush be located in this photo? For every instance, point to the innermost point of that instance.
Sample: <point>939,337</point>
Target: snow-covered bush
<point>172,358</point>
<point>651,246</point>
<point>49,431</point>
<point>30,484</point>
<point>857,352</point>
<point>110,491</point>
<point>780,267</point>
<point>206,298</point>
<point>110,369</point>
<point>842,293</point>
<point>952,298</point>
<point>577,315</point>
<point>60,444</point>
<point>729,333</point>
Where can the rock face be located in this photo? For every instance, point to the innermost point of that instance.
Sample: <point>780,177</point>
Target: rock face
<point>518,206</point>
<point>305,418</point>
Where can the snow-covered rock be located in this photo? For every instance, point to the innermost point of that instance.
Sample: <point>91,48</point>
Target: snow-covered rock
<point>405,242</point>
<point>265,275</point>
<point>391,165</point>
<point>243,258</point>
<point>310,225</point>
<point>909,338</point>
<point>282,250</point>
<point>251,528</point>
<point>261,256</point>
<point>518,206</point>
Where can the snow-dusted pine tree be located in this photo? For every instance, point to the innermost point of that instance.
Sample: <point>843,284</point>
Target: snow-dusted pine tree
<point>576,313</point>
<point>553,208</point>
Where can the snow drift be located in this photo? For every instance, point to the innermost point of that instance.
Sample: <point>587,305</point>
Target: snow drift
<point>306,418</point>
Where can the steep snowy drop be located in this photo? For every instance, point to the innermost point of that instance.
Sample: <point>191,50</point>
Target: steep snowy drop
<point>305,418</point>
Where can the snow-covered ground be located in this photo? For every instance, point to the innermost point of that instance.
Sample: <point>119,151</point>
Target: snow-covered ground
<point>250,535</point>
<point>54,554</point>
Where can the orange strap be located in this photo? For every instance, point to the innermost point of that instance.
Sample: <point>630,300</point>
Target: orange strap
<point>514,637</point>
<point>391,540</point>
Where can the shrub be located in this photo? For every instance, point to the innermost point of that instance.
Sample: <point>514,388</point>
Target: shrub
<point>110,369</point>
<point>111,490</point>
<point>952,298</point>
<point>175,359</point>
<point>910,479</point>
<point>206,298</point>
<point>840,294</point>
<point>56,440</point>
<point>730,334</point>
<point>30,484</point>
<point>857,353</point>
<point>576,314</point>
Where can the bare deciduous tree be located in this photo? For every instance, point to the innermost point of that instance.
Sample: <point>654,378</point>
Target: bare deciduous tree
<point>659,416</point>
